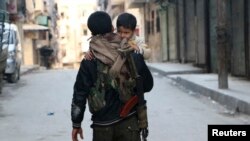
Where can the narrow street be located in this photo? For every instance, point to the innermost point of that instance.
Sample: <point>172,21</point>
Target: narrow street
<point>37,108</point>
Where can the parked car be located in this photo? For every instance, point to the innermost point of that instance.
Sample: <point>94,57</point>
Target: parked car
<point>12,40</point>
<point>3,55</point>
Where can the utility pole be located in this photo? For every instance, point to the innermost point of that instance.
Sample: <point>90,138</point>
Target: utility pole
<point>222,43</point>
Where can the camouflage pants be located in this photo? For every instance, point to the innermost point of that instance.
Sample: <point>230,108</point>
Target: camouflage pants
<point>126,130</point>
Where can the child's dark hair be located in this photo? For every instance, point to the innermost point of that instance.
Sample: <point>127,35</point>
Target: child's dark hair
<point>99,22</point>
<point>126,20</point>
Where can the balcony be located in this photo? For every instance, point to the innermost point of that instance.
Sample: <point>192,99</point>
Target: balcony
<point>134,3</point>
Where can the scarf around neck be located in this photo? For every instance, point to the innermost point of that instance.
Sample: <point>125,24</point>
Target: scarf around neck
<point>105,48</point>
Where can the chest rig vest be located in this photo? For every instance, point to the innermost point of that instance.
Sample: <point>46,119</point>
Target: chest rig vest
<point>112,70</point>
<point>106,82</point>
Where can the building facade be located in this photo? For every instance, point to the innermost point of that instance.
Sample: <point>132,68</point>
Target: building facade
<point>73,32</point>
<point>194,39</point>
<point>184,31</point>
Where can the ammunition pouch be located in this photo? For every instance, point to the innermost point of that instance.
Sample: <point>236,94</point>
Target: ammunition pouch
<point>96,101</point>
<point>127,91</point>
<point>142,116</point>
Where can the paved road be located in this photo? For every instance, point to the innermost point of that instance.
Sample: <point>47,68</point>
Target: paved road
<point>38,109</point>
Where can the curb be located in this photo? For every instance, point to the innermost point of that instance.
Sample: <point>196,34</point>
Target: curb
<point>174,72</point>
<point>30,69</point>
<point>229,102</point>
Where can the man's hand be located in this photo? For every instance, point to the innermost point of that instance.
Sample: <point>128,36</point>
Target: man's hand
<point>75,132</point>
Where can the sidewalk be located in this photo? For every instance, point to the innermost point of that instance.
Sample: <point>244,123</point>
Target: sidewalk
<point>27,69</point>
<point>236,98</point>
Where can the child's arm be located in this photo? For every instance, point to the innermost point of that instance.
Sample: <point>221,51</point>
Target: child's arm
<point>134,46</point>
<point>142,48</point>
<point>146,51</point>
<point>88,55</point>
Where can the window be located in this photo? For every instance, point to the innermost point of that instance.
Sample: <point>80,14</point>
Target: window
<point>152,20</point>
<point>148,27</point>
<point>158,28</point>
<point>42,35</point>
<point>85,32</point>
